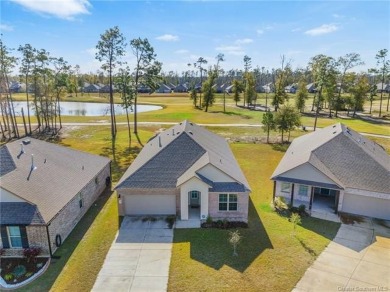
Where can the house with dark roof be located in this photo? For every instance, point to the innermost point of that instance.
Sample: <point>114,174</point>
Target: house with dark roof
<point>45,189</point>
<point>311,88</point>
<point>185,171</point>
<point>163,88</point>
<point>382,87</point>
<point>335,169</point>
<point>182,87</point>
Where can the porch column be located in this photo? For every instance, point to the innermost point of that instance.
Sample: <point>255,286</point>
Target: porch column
<point>292,194</point>
<point>183,205</point>
<point>274,194</point>
<point>204,205</point>
<point>311,197</point>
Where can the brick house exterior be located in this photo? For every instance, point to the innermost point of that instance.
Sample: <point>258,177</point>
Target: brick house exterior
<point>43,215</point>
<point>185,171</point>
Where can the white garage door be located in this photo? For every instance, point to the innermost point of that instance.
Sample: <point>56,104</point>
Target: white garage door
<point>372,207</point>
<point>150,204</point>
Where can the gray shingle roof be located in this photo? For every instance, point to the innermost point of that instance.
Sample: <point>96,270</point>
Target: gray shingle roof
<point>163,170</point>
<point>233,187</point>
<point>6,162</point>
<point>200,145</point>
<point>61,173</point>
<point>19,214</point>
<point>343,155</point>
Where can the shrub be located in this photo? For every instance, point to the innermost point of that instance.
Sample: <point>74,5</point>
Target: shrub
<point>209,220</point>
<point>19,271</point>
<point>31,253</point>
<point>8,277</point>
<point>29,274</point>
<point>170,220</point>
<point>2,251</point>
<point>280,204</point>
<point>302,209</point>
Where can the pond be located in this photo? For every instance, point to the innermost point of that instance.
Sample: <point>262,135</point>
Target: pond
<point>85,108</point>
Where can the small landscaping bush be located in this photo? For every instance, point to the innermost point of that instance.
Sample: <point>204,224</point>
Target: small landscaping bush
<point>170,220</point>
<point>279,204</point>
<point>225,224</point>
<point>31,253</point>
<point>8,277</point>
<point>19,271</point>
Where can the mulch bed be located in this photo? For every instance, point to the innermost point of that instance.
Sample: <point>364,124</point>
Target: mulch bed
<point>225,224</point>
<point>17,270</point>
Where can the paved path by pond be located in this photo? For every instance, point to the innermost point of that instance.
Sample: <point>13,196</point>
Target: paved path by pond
<point>358,259</point>
<point>138,259</point>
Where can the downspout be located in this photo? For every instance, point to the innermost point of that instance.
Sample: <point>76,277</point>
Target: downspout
<point>274,190</point>
<point>48,240</point>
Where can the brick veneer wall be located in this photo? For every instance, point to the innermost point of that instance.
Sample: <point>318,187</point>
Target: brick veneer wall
<point>240,215</point>
<point>71,214</point>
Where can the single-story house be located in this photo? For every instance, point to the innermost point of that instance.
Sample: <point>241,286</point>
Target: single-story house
<point>144,89</point>
<point>163,88</point>
<point>269,87</point>
<point>45,189</point>
<point>292,88</point>
<point>335,169</point>
<point>185,171</point>
<point>182,87</point>
<point>382,87</point>
<point>91,88</point>
<point>311,88</point>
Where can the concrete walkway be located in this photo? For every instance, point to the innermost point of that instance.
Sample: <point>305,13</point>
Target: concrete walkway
<point>357,258</point>
<point>138,259</point>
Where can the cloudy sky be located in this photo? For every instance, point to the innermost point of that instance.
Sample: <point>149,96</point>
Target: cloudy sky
<point>182,31</point>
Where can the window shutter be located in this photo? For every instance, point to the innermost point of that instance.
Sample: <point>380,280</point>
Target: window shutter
<point>23,234</point>
<point>4,236</point>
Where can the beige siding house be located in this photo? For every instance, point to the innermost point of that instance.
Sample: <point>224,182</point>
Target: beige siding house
<point>185,171</point>
<point>333,170</point>
<point>45,189</point>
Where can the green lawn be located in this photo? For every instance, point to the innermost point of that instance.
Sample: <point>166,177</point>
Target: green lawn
<point>270,257</point>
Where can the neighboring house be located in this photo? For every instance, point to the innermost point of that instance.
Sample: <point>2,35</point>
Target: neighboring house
<point>45,190</point>
<point>292,88</point>
<point>91,88</point>
<point>185,171</point>
<point>269,87</point>
<point>382,87</point>
<point>163,88</point>
<point>311,88</point>
<point>182,87</point>
<point>335,169</point>
<point>144,89</point>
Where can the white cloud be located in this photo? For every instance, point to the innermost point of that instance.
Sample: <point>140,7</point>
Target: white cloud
<point>65,9</point>
<point>323,29</point>
<point>91,51</point>
<point>335,15</point>
<point>167,38</point>
<point>5,27</point>
<point>181,52</point>
<point>260,31</point>
<point>296,29</point>
<point>243,41</point>
<point>231,50</point>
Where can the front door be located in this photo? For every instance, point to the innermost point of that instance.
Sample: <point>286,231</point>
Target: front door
<point>194,197</point>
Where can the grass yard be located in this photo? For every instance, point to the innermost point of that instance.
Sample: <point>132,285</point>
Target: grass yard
<point>270,257</point>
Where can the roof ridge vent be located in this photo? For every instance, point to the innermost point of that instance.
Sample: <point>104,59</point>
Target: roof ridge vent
<point>159,141</point>
<point>22,149</point>
<point>173,131</point>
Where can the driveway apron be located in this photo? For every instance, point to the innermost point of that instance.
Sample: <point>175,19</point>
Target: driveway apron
<point>139,257</point>
<point>358,259</point>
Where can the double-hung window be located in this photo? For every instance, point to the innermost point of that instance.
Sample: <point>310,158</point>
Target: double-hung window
<point>14,236</point>
<point>228,202</point>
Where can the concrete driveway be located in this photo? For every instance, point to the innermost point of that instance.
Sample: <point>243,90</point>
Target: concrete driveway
<point>138,259</point>
<point>358,259</point>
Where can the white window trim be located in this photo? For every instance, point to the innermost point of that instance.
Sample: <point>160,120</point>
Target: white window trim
<point>9,238</point>
<point>227,202</point>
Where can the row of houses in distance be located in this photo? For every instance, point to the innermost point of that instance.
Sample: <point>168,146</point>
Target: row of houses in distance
<point>18,87</point>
